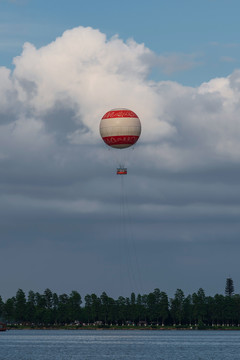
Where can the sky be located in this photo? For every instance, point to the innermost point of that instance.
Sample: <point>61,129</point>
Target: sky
<point>67,222</point>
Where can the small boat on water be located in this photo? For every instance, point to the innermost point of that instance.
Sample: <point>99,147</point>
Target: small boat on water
<point>3,327</point>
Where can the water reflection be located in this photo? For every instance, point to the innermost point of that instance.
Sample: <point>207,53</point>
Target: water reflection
<point>122,344</point>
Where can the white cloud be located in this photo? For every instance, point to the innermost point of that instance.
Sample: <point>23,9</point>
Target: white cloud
<point>58,181</point>
<point>87,75</point>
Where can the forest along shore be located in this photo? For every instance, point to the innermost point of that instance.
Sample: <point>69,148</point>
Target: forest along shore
<point>149,311</point>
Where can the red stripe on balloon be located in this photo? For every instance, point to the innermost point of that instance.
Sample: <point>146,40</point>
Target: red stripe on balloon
<point>119,114</point>
<point>120,140</point>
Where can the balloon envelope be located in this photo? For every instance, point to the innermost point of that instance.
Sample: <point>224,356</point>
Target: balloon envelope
<point>120,128</point>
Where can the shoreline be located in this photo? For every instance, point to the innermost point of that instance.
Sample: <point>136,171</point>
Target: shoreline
<point>130,328</point>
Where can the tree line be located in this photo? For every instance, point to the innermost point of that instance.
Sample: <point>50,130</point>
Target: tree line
<point>155,309</point>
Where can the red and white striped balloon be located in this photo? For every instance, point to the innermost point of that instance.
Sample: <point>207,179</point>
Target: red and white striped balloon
<point>120,128</point>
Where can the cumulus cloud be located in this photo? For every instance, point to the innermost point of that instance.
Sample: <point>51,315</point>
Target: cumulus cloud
<point>82,74</point>
<point>53,161</point>
<point>52,101</point>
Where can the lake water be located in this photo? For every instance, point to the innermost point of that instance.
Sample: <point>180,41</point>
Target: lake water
<point>119,344</point>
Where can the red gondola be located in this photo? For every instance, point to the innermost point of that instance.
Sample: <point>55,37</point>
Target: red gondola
<point>122,171</point>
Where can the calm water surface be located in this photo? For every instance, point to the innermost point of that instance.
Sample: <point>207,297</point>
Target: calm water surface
<point>123,344</point>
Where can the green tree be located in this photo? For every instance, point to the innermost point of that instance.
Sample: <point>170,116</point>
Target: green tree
<point>1,308</point>
<point>133,308</point>
<point>145,306</point>
<point>63,308</point>
<point>199,306</point>
<point>151,307</point>
<point>128,308</point>
<point>176,308</point>
<point>87,308</point>
<point>210,304</point>
<point>48,297</point>
<point>75,302</point>
<point>92,308</point>
<point>112,312</point>
<point>164,307</point>
<point>236,299</point>
<point>20,306</point>
<point>229,288</point>
<point>157,310</point>
<point>9,310</point>
<point>104,307</point>
<point>133,298</point>
<point>121,310</point>
<point>55,302</point>
<point>229,310</point>
<point>218,309</point>
<point>48,314</point>
<point>188,310</point>
<point>140,310</point>
<point>31,307</point>
<point>40,302</point>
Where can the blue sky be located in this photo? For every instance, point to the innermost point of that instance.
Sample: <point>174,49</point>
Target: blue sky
<point>205,32</point>
<point>63,64</point>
